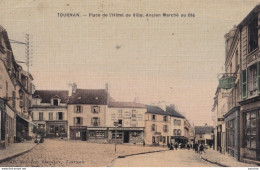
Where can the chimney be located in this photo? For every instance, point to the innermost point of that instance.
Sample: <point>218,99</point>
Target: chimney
<point>72,88</point>
<point>162,105</point>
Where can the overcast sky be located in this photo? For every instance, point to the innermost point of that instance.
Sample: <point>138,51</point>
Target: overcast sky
<point>174,59</point>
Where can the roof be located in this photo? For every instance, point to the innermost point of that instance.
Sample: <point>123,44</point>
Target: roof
<point>173,112</point>
<point>126,105</point>
<point>156,110</point>
<point>204,129</point>
<point>89,96</point>
<point>47,95</point>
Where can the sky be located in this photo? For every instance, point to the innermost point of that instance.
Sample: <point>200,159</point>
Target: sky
<point>171,59</point>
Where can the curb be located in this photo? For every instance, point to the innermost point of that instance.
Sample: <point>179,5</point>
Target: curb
<point>124,156</point>
<point>213,162</point>
<point>16,155</point>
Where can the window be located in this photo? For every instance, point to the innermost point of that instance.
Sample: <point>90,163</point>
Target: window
<point>50,116</point>
<point>236,60</point>
<point>78,120</point>
<point>252,75</point>
<point>244,84</point>
<point>253,35</point>
<point>153,117</point>
<point>177,132</point>
<point>120,122</point>
<point>153,127</point>
<point>32,115</point>
<point>78,109</point>
<point>60,116</point>
<point>95,121</point>
<point>40,115</point>
<point>165,118</point>
<point>95,109</point>
<point>120,113</point>
<point>62,129</point>
<point>165,128</point>
<point>55,102</point>
<point>117,134</point>
<point>133,113</point>
<point>200,135</point>
<point>250,126</point>
<point>177,122</point>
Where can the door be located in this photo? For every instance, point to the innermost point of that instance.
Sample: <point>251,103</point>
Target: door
<point>126,137</point>
<point>84,135</point>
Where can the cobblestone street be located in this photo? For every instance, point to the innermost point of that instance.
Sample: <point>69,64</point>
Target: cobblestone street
<point>60,153</point>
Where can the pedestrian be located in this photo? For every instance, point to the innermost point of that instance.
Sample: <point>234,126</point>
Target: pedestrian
<point>188,146</point>
<point>176,145</point>
<point>196,147</point>
<point>202,148</point>
<point>171,146</point>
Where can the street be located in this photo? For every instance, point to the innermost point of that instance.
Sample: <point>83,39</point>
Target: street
<point>175,158</point>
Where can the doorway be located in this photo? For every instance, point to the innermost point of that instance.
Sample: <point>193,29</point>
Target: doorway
<point>126,137</point>
<point>84,135</point>
<point>57,131</point>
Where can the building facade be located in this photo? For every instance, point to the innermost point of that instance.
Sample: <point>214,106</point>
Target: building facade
<point>49,111</point>
<point>125,122</point>
<point>87,114</point>
<point>204,135</point>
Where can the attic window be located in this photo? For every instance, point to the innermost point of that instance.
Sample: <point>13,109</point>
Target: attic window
<point>55,102</point>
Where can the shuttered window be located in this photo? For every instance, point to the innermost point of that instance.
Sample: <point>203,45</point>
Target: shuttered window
<point>244,84</point>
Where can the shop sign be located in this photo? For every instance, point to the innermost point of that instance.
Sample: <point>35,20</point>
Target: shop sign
<point>120,128</point>
<point>227,82</point>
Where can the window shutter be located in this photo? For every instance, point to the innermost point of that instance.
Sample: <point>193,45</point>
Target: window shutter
<point>258,77</point>
<point>74,120</point>
<point>62,116</point>
<point>92,121</point>
<point>81,120</point>
<point>98,121</point>
<point>81,107</point>
<point>244,84</point>
<point>57,115</point>
<point>75,109</point>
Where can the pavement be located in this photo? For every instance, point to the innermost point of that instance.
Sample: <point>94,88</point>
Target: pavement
<point>170,158</point>
<point>16,149</point>
<point>220,159</point>
<point>69,153</point>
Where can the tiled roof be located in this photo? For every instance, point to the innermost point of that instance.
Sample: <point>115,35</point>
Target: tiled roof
<point>204,129</point>
<point>126,105</point>
<point>47,95</point>
<point>173,112</point>
<point>156,110</point>
<point>89,96</point>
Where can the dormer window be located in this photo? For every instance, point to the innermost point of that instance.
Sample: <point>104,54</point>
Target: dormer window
<point>55,102</point>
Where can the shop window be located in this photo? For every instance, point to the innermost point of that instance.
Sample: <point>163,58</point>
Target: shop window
<point>95,109</point>
<point>117,135</point>
<point>153,117</point>
<point>62,129</point>
<point>50,115</point>
<point>153,127</point>
<point>78,109</point>
<point>40,115</point>
<point>51,128</point>
<point>250,127</point>
<point>253,34</point>
<point>78,134</point>
<point>164,139</point>
<point>135,134</point>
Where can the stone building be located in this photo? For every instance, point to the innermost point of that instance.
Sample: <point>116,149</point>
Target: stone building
<point>49,111</point>
<point>125,122</point>
<point>204,135</point>
<point>87,110</point>
<point>15,95</point>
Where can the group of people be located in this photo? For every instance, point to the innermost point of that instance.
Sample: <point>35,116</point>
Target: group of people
<point>198,148</point>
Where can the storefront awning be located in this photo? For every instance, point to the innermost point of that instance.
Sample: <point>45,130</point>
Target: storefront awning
<point>26,120</point>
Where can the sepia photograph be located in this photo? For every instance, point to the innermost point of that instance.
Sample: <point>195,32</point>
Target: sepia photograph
<point>129,83</point>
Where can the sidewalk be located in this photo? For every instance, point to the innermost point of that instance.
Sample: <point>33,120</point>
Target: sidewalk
<point>223,160</point>
<point>16,149</point>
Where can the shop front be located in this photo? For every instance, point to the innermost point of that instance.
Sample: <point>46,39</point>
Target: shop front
<point>97,134</point>
<point>78,133</point>
<point>56,129</point>
<point>7,127</point>
<point>250,130</point>
<point>126,135</point>
<point>232,132</point>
